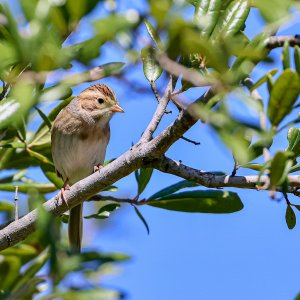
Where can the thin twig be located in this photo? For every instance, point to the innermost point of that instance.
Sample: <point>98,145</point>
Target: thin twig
<point>190,141</point>
<point>248,82</point>
<point>235,168</point>
<point>160,110</point>
<point>16,204</point>
<point>187,74</point>
<point>154,90</point>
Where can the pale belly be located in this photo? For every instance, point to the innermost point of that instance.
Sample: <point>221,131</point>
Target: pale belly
<point>75,159</point>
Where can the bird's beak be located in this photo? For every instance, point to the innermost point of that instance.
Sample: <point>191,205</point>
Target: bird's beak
<point>117,108</point>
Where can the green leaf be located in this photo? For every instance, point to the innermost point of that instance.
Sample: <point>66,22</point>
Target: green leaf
<point>107,28</point>
<point>173,188</point>
<point>42,158</point>
<point>297,59</point>
<point>142,218</point>
<point>51,174</point>
<point>285,55</point>
<point>31,271</point>
<point>15,145</point>
<point>294,141</point>
<point>252,166</point>
<point>270,82</point>
<point>279,169</point>
<point>151,69</point>
<point>98,73</point>
<point>283,96</point>
<point>28,289</point>
<point>201,201</point>
<point>273,10</point>
<point>290,217</point>
<point>44,117</point>
<point>104,211</point>
<point>295,168</point>
<point>232,20</point>
<point>143,177</point>
<point>6,207</point>
<point>263,79</point>
<point>206,15</point>
<point>23,251</point>
<point>97,293</point>
<point>9,265</point>
<point>153,35</point>
<point>25,187</point>
<point>16,107</point>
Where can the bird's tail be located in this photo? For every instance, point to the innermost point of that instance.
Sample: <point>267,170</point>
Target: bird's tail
<point>75,228</point>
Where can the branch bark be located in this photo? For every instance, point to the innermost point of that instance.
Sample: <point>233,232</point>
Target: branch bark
<point>211,180</point>
<point>278,41</point>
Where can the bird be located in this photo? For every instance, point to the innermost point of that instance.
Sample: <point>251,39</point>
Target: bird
<point>79,137</point>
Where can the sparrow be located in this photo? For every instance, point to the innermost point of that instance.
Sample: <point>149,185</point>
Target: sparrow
<point>79,137</point>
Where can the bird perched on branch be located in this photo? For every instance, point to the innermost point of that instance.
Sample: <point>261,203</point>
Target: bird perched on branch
<point>79,137</point>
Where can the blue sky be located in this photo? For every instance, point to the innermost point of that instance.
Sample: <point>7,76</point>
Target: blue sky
<point>246,255</point>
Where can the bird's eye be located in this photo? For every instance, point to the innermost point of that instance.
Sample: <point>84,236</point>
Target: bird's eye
<point>100,100</point>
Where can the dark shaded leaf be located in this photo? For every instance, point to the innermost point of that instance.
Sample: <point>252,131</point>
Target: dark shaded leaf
<point>144,178</point>
<point>209,201</point>
<point>290,217</point>
<point>44,117</point>
<point>104,211</point>
<point>142,218</point>
<point>173,188</point>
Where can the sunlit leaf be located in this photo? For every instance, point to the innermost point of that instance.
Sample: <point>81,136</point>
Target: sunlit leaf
<point>151,68</point>
<point>153,35</point>
<point>206,15</point>
<point>285,55</point>
<point>232,20</point>
<point>294,141</point>
<point>280,167</point>
<point>283,96</point>
<point>24,187</point>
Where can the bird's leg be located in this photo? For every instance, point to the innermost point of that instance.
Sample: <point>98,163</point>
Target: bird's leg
<point>65,187</point>
<point>97,168</point>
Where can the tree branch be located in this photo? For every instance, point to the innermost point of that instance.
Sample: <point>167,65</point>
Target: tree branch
<point>190,75</point>
<point>160,110</point>
<point>211,180</point>
<point>278,41</point>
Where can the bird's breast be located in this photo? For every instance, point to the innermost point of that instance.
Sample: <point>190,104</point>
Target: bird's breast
<point>75,155</point>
